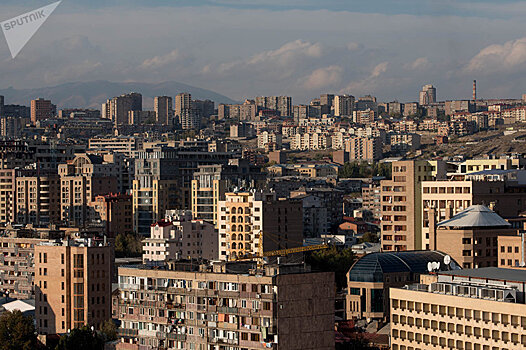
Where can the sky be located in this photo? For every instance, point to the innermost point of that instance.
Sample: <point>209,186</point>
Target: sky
<point>300,48</point>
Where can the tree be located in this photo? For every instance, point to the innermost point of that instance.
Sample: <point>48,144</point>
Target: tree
<point>335,260</point>
<point>81,339</point>
<point>17,331</point>
<point>369,237</point>
<point>128,245</point>
<point>108,330</point>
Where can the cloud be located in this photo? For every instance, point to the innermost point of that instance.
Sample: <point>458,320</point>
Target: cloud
<point>161,61</point>
<point>378,70</point>
<point>354,46</point>
<point>418,64</point>
<point>369,83</point>
<point>499,58</point>
<point>288,53</point>
<point>323,77</point>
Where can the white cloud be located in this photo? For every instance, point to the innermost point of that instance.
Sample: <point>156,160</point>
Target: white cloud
<point>161,61</point>
<point>323,78</point>
<point>499,58</point>
<point>288,53</point>
<point>418,64</point>
<point>369,83</point>
<point>379,69</point>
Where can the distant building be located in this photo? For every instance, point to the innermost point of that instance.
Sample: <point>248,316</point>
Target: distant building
<point>42,109</point>
<point>163,107</point>
<point>427,95</point>
<point>112,213</point>
<point>363,148</point>
<point>343,105</point>
<point>117,109</point>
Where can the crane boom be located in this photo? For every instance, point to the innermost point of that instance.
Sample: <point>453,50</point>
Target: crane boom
<point>295,250</point>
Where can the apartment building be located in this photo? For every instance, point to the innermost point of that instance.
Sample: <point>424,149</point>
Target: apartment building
<point>371,197</point>
<point>330,198</point>
<point>343,105</point>
<point>116,109</point>
<point>511,251</point>
<point>72,284</point>
<point>461,309</point>
<point>122,144</point>
<point>83,178</point>
<point>471,236</point>
<point>363,148</point>
<point>191,306</point>
<point>269,140</point>
<point>36,197</point>
<point>401,201</point>
<point>163,107</point>
<point>17,265</point>
<point>42,109</point>
<point>112,213</point>
<point>247,220</point>
<point>311,141</point>
<point>179,236</point>
<point>211,182</point>
<point>7,198</point>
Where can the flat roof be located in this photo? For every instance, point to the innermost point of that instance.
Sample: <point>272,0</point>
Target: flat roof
<point>492,273</point>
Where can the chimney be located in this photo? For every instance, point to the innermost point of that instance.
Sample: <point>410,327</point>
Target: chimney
<point>432,229</point>
<point>474,90</point>
<point>449,211</point>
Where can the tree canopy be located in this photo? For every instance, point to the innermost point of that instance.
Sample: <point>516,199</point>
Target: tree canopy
<point>17,332</point>
<point>364,169</point>
<point>337,260</point>
<point>81,339</point>
<point>128,245</point>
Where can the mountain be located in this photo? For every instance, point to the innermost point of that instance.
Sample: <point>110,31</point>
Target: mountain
<point>93,94</point>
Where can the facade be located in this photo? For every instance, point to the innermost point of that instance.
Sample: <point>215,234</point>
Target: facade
<point>41,109</point>
<point>401,201</point>
<point>112,213</point>
<point>343,105</point>
<point>163,107</point>
<point>179,236</point>
<point>371,196</point>
<point>82,179</point>
<point>461,309</point>
<point>117,109</point>
<point>428,95</point>
<point>269,140</point>
<point>185,308</point>
<point>122,144</point>
<point>511,251</point>
<point>363,148</point>
<point>37,197</point>
<point>72,285</point>
<point>247,220</point>
<point>211,182</point>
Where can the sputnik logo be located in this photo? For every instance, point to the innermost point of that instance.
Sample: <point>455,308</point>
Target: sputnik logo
<point>19,30</point>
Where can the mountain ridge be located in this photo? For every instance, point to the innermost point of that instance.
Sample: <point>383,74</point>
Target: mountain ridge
<point>92,94</point>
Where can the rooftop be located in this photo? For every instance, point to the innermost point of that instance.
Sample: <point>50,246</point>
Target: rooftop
<point>475,216</point>
<point>492,273</point>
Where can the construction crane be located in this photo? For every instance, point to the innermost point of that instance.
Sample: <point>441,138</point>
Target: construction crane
<point>280,252</point>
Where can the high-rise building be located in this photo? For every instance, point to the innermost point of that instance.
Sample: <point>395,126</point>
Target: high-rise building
<point>428,95</point>
<point>280,104</point>
<point>460,309</point>
<point>247,220</point>
<point>112,213</point>
<point>343,105</point>
<point>2,112</point>
<point>203,108</point>
<point>72,284</point>
<point>41,109</point>
<point>185,113</point>
<point>327,100</point>
<point>363,148</point>
<point>401,203</point>
<point>211,182</point>
<point>37,197</point>
<point>225,306</point>
<point>118,108</point>
<point>163,107</point>
<point>83,178</point>
<point>7,197</point>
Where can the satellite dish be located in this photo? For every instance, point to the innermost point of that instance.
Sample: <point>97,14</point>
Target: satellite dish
<point>430,266</point>
<point>438,265</point>
<point>447,259</point>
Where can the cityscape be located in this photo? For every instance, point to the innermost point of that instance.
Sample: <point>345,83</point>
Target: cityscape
<point>147,213</point>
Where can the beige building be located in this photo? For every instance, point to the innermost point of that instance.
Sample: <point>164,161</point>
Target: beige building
<point>211,307</point>
<point>72,285</point>
<point>461,309</point>
<point>471,236</point>
<point>343,105</point>
<point>248,220</point>
<point>401,201</point>
<point>7,198</point>
<point>37,198</point>
<point>41,109</point>
<point>83,178</point>
<point>180,237</point>
<point>363,148</point>
<point>112,213</point>
<point>512,251</point>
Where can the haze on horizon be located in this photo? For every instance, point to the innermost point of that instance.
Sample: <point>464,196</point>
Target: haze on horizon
<point>245,48</point>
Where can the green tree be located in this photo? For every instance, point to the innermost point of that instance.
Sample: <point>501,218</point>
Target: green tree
<point>337,260</point>
<point>17,332</point>
<point>128,245</point>
<point>81,339</point>
<point>369,237</point>
<point>108,329</point>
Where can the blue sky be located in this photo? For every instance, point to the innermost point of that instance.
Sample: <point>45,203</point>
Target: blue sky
<point>244,48</point>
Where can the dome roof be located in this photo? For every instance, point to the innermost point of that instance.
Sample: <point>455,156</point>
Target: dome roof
<point>371,267</point>
<point>475,216</point>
